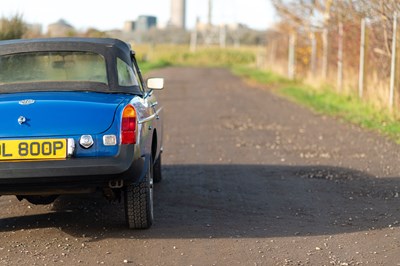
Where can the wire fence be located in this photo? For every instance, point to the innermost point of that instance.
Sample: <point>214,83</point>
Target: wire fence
<point>359,58</point>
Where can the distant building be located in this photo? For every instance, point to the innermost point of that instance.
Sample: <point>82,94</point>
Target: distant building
<point>35,28</point>
<point>178,14</point>
<point>33,31</point>
<point>129,26</point>
<point>60,29</point>
<point>144,23</point>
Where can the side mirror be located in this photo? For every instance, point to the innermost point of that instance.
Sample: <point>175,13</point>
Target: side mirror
<point>155,83</point>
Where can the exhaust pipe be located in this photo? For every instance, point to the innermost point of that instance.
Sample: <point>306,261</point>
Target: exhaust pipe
<point>116,183</point>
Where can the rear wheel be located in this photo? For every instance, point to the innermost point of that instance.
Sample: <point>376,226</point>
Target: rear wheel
<point>157,170</point>
<point>139,202</point>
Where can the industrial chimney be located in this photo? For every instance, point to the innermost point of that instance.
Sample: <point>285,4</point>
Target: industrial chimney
<point>178,13</point>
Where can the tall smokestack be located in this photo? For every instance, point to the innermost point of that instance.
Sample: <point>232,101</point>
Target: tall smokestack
<point>178,13</point>
<point>209,12</point>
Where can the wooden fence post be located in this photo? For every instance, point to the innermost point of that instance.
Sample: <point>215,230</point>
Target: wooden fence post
<point>193,40</point>
<point>222,36</point>
<point>340,58</point>
<point>362,60</point>
<point>313,54</point>
<point>325,47</point>
<point>272,53</point>
<point>393,62</point>
<point>292,56</point>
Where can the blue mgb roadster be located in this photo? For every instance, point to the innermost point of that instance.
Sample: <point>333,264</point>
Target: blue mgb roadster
<point>76,116</point>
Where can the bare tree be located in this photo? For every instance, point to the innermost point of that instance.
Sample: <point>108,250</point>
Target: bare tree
<point>319,17</point>
<point>309,16</point>
<point>12,28</point>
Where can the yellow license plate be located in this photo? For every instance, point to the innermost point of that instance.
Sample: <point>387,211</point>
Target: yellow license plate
<point>39,149</point>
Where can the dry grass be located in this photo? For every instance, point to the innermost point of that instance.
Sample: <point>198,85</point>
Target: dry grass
<point>204,56</point>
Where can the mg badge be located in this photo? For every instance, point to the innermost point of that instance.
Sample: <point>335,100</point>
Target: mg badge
<point>26,102</point>
<point>21,120</point>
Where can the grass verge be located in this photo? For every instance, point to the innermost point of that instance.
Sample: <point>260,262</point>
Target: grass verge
<point>326,101</point>
<point>145,67</point>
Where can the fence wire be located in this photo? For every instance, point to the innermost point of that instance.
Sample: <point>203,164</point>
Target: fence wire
<point>309,53</point>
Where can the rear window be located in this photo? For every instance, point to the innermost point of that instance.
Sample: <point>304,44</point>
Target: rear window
<point>52,67</point>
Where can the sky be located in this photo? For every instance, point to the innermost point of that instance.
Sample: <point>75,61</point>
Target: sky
<point>107,15</point>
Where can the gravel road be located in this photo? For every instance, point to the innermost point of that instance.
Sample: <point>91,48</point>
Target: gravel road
<point>250,179</point>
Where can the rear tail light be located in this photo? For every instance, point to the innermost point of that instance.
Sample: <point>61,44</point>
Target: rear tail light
<point>128,125</point>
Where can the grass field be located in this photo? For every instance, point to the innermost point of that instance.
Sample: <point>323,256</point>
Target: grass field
<point>180,55</point>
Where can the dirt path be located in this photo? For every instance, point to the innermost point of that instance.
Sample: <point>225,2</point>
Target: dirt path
<point>250,179</point>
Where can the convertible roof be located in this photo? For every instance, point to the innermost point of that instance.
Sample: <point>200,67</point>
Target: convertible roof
<point>110,49</point>
<point>97,45</point>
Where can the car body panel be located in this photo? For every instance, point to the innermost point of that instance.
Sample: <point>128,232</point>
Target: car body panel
<point>57,113</point>
<point>70,110</point>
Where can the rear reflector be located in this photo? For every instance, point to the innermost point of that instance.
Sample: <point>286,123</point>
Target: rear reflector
<point>109,140</point>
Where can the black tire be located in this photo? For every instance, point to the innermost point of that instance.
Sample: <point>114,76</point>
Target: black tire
<point>139,202</point>
<point>157,174</point>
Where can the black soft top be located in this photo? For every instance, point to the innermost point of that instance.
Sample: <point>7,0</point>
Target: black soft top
<point>109,48</point>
